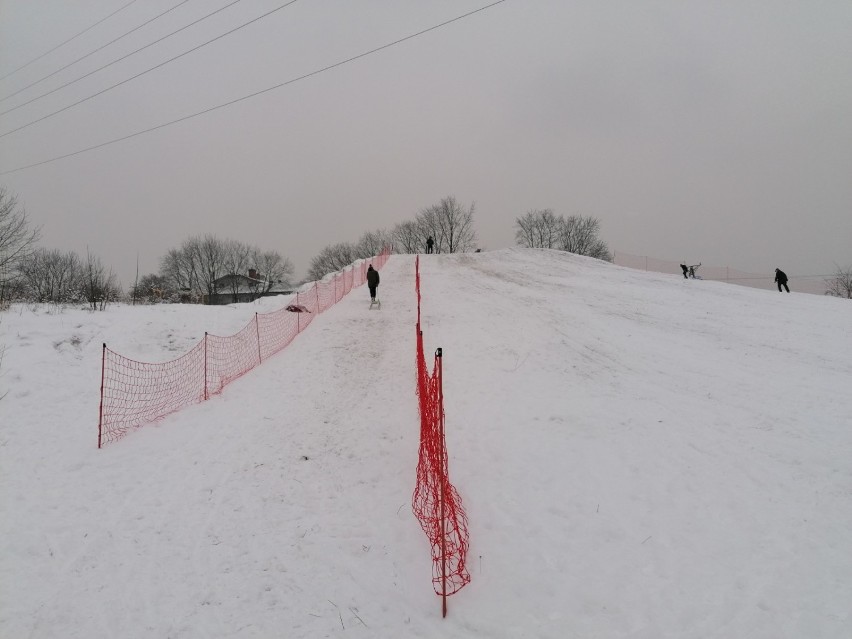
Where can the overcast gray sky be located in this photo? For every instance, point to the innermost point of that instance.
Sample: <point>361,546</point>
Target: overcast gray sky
<point>718,132</point>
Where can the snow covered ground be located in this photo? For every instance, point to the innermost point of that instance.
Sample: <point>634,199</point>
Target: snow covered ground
<point>639,456</point>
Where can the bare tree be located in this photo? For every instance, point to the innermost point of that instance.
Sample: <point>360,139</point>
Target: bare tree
<point>194,268</point>
<point>450,225</point>
<point>237,260</point>
<point>49,275</point>
<point>538,229</point>
<point>840,285</point>
<point>332,258</point>
<point>525,231</point>
<point>407,239</point>
<point>173,269</point>
<point>372,243</point>
<point>273,267</point>
<point>211,255</point>
<point>427,226</point>
<point>100,286</point>
<point>575,234</point>
<point>579,235</point>
<point>153,289</point>
<point>17,239</point>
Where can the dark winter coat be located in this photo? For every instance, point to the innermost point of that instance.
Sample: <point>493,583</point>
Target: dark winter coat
<point>780,276</point>
<point>372,277</point>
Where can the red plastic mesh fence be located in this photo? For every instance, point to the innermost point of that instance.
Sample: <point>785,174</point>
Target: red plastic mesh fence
<point>135,393</point>
<point>435,501</point>
<point>814,284</point>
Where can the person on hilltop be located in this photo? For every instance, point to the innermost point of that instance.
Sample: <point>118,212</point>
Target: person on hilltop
<point>781,279</point>
<point>429,244</point>
<point>685,271</point>
<point>372,282</point>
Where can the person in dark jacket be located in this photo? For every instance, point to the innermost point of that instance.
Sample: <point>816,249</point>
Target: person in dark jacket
<point>781,279</point>
<point>685,271</point>
<point>372,282</point>
<point>429,244</point>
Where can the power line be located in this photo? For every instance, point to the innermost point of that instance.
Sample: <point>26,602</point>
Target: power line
<point>124,57</point>
<point>162,64</point>
<point>49,75</point>
<point>256,93</point>
<point>62,44</point>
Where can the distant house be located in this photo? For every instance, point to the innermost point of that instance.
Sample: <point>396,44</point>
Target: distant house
<point>236,288</point>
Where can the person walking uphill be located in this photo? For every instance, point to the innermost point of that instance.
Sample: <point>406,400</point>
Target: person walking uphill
<point>781,279</point>
<point>372,282</point>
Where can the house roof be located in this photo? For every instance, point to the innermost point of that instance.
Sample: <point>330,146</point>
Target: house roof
<point>245,284</point>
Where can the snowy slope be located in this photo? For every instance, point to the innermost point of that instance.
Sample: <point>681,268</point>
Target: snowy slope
<point>639,456</point>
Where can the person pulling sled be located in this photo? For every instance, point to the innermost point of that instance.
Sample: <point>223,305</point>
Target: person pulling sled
<point>373,285</point>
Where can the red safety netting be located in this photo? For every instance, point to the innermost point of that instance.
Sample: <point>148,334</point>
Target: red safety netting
<point>814,284</point>
<point>435,501</point>
<point>134,393</point>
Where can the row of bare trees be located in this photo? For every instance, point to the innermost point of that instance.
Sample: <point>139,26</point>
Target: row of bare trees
<point>448,223</point>
<point>542,228</point>
<point>336,257</point>
<point>195,268</point>
<point>42,275</point>
<point>49,275</point>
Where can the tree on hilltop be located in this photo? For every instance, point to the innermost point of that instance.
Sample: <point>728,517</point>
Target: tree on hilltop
<point>574,234</point>
<point>840,285</point>
<point>450,225</point>
<point>538,229</point>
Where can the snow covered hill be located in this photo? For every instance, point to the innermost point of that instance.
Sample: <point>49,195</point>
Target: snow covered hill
<point>639,456</point>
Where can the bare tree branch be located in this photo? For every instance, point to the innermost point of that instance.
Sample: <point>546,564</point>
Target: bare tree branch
<point>450,225</point>
<point>840,285</point>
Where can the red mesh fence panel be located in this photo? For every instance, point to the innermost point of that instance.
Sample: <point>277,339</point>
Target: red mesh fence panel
<point>277,330</point>
<point>435,502</point>
<point>230,357</point>
<point>134,393</point>
<point>310,300</point>
<point>327,294</point>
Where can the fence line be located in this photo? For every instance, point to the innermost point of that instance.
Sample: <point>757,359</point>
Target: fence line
<point>134,393</point>
<point>435,501</point>
<point>813,284</point>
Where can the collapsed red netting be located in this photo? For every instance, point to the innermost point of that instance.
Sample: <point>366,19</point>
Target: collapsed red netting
<point>134,393</point>
<point>435,501</point>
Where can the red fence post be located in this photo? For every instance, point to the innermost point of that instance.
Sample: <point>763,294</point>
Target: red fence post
<point>101,407</point>
<point>442,457</point>
<point>316,288</point>
<point>257,328</point>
